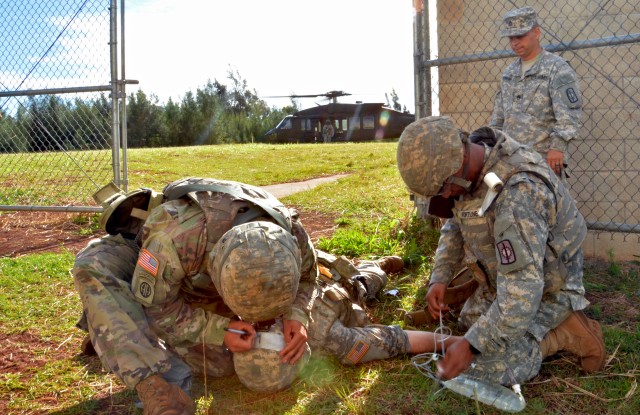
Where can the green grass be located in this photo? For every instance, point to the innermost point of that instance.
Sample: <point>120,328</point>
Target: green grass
<point>39,306</point>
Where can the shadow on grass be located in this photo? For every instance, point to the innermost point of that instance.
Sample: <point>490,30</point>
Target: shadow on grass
<point>120,403</point>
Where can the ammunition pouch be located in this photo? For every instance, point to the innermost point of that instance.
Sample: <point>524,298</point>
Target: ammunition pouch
<point>362,285</point>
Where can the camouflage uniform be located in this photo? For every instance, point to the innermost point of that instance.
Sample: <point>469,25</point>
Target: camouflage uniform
<point>171,278</point>
<point>528,243</point>
<point>183,312</point>
<point>116,322</point>
<point>170,307</point>
<point>542,108</point>
<point>339,325</point>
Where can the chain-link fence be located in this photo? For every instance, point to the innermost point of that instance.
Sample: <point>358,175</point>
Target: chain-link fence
<point>460,60</point>
<point>59,91</point>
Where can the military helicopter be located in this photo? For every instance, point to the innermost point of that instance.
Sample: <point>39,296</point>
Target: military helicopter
<point>338,122</point>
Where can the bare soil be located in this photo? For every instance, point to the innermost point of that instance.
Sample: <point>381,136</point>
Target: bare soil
<point>23,233</point>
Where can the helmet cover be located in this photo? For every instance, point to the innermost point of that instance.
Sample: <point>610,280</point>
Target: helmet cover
<point>430,150</point>
<point>261,369</point>
<point>255,267</point>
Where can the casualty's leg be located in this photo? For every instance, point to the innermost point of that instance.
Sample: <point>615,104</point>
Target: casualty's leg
<point>115,320</point>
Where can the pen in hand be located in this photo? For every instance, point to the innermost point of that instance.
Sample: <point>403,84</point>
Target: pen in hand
<point>240,332</point>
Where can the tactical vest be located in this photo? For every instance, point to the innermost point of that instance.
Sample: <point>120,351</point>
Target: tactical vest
<point>226,204</point>
<point>567,229</point>
<point>220,216</point>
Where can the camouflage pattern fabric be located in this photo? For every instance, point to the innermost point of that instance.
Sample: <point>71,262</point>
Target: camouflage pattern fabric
<point>146,306</point>
<point>255,266</point>
<point>518,22</point>
<point>115,320</point>
<point>172,273</point>
<point>429,151</point>
<point>541,110</point>
<point>529,244</point>
<point>261,369</point>
<point>340,326</point>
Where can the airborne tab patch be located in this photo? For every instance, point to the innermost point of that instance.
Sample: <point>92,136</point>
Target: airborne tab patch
<point>357,353</point>
<point>148,262</point>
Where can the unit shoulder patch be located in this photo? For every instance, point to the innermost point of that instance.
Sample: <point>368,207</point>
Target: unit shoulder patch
<point>506,252</point>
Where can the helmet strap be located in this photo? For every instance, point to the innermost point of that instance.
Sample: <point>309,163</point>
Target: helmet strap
<point>463,181</point>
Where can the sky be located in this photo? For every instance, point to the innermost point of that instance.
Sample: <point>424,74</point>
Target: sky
<point>280,47</point>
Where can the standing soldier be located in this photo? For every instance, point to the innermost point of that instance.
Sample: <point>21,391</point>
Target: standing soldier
<point>539,102</point>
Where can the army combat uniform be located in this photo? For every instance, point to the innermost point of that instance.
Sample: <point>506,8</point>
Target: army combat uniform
<point>339,325</point>
<point>542,109</point>
<point>174,236</point>
<point>171,278</point>
<point>526,237</point>
<point>170,307</point>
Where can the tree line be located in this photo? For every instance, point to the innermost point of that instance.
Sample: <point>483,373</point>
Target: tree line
<point>214,114</point>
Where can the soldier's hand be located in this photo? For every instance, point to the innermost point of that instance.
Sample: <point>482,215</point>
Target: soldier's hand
<point>295,339</point>
<point>237,343</point>
<point>435,300</point>
<point>457,358</point>
<point>555,159</point>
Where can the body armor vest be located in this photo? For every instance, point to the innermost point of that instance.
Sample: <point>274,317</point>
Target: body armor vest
<point>226,204</point>
<point>567,228</point>
<point>206,193</point>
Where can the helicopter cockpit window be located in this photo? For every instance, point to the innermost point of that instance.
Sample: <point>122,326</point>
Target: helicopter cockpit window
<point>305,124</point>
<point>285,124</point>
<point>368,122</point>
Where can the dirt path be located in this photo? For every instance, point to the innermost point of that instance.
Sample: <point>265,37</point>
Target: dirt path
<point>25,232</point>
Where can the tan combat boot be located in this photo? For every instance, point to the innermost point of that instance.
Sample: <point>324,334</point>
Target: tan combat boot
<point>160,398</point>
<point>390,264</point>
<point>578,335</point>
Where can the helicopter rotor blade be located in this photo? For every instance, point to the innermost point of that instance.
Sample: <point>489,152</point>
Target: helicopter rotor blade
<point>328,95</point>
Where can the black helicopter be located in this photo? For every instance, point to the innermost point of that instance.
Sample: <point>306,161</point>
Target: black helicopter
<point>339,122</point>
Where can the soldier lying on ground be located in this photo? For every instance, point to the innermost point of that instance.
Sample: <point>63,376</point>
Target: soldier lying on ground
<point>219,277</point>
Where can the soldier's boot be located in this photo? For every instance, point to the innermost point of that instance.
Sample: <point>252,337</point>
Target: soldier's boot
<point>419,318</point>
<point>160,398</point>
<point>460,289</point>
<point>390,264</point>
<point>578,335</point>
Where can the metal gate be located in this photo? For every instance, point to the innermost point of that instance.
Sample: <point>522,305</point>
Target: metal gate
<point>62,103</point>
<point>460,58</point>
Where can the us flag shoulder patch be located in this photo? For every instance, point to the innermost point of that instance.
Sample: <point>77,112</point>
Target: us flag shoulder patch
<point>507,255</point>
<point>148,262</point>
<point>357,353</point>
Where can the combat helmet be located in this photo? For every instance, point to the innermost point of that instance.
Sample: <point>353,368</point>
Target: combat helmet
<point>430,150</point>
<point>255,267</point>
<point>125,213</point>
<point>261,369</point>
